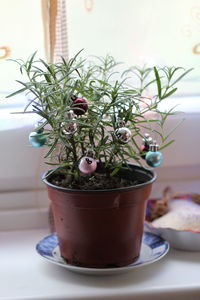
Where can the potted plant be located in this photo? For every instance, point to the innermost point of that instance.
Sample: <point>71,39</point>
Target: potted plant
<point>94,123</point>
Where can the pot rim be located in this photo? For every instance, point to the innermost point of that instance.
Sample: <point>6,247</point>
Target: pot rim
<point>122,189</point>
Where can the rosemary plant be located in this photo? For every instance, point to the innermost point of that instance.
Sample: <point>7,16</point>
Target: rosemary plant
<point>72,129</point>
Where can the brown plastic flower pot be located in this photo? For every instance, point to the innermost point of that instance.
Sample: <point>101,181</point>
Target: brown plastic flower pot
<point>100,229</point>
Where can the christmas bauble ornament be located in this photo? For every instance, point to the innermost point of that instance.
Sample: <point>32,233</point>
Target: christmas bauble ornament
<point>147,141</point>
<point>154,158</point>
<point>87,165</point>
<point>123,134</point>
<point>68,128</point>
<point>80,106</point>
<point>37,139</point>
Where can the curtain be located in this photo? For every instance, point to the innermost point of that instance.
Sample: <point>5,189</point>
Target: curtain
<point>55,29</point>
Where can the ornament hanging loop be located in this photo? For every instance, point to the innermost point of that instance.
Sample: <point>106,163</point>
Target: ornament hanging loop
<point>90,153</point>
<point>120,123</point>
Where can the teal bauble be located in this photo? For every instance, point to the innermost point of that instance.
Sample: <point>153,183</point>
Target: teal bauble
<point>154,158</point>
<point>37,139</point>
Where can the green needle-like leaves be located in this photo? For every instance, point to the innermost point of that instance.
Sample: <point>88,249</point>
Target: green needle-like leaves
<point>111,96</point>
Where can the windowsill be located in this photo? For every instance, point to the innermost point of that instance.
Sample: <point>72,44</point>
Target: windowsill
<point>25,275</point>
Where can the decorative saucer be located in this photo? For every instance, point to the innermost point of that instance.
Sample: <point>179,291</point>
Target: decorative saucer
<point>153,248</point>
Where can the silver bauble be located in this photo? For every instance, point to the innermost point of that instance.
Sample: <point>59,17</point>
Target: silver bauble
<point>123,134</point>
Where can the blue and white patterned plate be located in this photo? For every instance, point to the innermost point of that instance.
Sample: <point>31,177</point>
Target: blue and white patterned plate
<point>153,248</point>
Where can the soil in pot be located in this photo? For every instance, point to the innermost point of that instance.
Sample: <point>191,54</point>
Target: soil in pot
<point>99,180</point>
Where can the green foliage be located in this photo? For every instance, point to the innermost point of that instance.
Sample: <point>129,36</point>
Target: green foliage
<point>111,96</point>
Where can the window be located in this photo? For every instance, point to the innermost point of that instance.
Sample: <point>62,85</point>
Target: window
<point>135,32</point>
<point>21,35</point>
<point>27,28</point>
<point>157,33</point>
<point>22,32</point>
